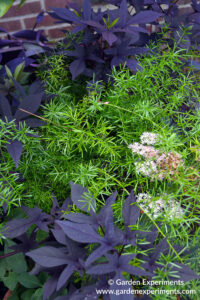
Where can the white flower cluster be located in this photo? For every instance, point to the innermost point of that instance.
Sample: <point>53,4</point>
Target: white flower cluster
<point>170,207</point>
<point>146,151</point>
<point>148,138</point>
<point>157,164</point>
<point>147,168</point>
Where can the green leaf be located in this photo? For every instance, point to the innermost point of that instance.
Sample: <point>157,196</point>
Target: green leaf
<point>3,267</point>
<point>76,13</point>
<point>27,294</point>
<point>9,73</point>
<point>21,3</point>
<point>114,22</point>
<point>41,235</point>
<point>37,295</point>
<point>18,71</point>
<point>105,22</point>
<point>29,281</point>
<point>4,6</point>
<point>10,281</point>
<point>43,277</point>
<point>17,262</point>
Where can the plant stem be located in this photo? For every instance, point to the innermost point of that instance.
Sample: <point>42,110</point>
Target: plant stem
<point>121,251</point>
<point>9,254</point>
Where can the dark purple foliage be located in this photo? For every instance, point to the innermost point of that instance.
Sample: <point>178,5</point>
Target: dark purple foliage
<point>18,227</point>
<point>116,36</point>
<point>108,37</point>
<point>79,197</point>
<point>66,250</point>
<point>20,46</point>
<point>15,150</point>
<point>25,242</point>
<point>18,106</point>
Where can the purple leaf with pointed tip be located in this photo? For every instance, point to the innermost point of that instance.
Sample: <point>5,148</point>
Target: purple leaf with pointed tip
<point>55,210</point>
<point>111,200</point>
<point>133,65</point>
<point>48,256</point>
<point>116,61</point>
<point>79,195</point>
<point>27,34</point>
<point>59,236</point>
<point>87,9</point>
<point>39,18</point>
<point>5,108</point>
<point>82,233</point>
<point>118,264</point>
<point>66,273</point>
<point>36,87</point>
<point>95,219</point>
<point>77,67</point>
<point>29,103</point>
<point>26,243</point>
<point>37,217</point>
<point>160,248</point>
<point>130,212</point>
<point>78,28</point>
<point>78,218</point>
<point>144,17</point>
<point>95,24</point>
<point>101,269</point>
<point>109,224</point>
<point>16,228</point>
<point>65,14</point>
<point>4,43</point>
<point>49,287</point>
<point>15,150</point>
<point>109,37</point>
<point>123,13</point>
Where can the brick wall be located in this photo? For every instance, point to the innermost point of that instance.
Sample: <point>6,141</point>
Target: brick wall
<point>24,18</point>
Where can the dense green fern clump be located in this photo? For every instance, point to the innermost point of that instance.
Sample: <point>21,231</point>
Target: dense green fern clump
<point>87,140</point>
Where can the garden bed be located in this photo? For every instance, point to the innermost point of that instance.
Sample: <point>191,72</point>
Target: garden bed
<point>100,156</point>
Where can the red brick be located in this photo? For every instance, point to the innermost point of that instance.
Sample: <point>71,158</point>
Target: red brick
<point>60,3</point>
<point>47,21</point>
<point>55,3</point>
<point>11,26</point>
<point>28,8</point>
<point>56,33</point>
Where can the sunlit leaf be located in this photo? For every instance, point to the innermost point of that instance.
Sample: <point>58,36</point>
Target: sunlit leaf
<point>4,6</point>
